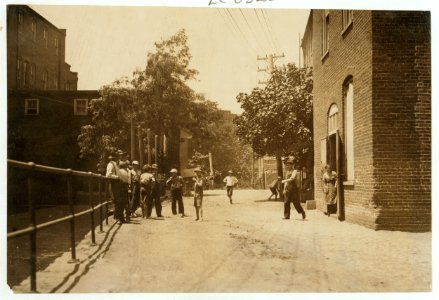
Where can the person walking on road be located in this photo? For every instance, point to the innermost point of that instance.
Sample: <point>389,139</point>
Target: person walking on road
<point>176,186</point>
<point>230,182</point>
<point>275,187</point>
<point>198,194</point>
<point>155,193</point>
<point>329,182</point>
<point>291,194</point>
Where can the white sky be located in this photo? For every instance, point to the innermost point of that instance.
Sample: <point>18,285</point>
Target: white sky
<point>106,42</point>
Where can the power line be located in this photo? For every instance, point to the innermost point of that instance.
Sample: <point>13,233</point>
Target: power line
<point>239,28</point>
<point>270,28</point>
<point>251,30</point>
<point>264,30</point>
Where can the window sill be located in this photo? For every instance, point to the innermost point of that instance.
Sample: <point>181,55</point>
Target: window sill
<point>324,56</point>
<point>346,29</point>
<point>349,183</point>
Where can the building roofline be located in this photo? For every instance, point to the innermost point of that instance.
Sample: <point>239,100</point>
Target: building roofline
<point>62,31</point>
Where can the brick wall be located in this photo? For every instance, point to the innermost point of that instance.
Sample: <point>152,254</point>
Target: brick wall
<point>21,44</point>
<point>402,119</point>
<point>349,55</point>
<point>49,138</point>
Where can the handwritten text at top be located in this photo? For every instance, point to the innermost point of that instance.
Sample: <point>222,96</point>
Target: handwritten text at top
<point>215,2</point>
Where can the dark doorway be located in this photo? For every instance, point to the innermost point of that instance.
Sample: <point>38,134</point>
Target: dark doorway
<point>334,154</point>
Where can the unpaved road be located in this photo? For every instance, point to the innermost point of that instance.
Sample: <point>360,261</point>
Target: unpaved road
<point>247,247</point>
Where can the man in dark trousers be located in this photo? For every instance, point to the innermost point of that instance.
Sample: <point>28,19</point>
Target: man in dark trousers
<point>154,199</point>
<point>175,183</point>
<point>291,194</point>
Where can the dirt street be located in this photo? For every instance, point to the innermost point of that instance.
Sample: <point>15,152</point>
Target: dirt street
<point>244,247</point>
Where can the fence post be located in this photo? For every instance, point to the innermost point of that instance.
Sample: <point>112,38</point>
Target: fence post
<point>90,198</point>
<point>106,200</point>
<point>33,234</point>
<point>100,203</point>
<point>72,213</point>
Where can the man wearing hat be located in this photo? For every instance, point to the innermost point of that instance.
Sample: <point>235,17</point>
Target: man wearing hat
<point>154,199</point>
<point>114,185</point>
<point>176,186</point>
<point>230,182</point>
<point>135,187</point>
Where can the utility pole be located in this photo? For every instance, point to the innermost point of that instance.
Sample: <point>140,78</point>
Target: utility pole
<point>270,59</point>
<point>139,135</point>
<point>148,137</point>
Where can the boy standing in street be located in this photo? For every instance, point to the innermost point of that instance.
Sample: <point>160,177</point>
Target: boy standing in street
<point>198,194</point>
<point>230,182</point>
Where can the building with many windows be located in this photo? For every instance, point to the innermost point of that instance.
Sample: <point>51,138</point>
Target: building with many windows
<point>372,113</point>
<point>45,109</point>
<point>36,52</point>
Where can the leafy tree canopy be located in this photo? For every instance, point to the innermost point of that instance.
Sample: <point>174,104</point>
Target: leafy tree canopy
<point>277,120</point>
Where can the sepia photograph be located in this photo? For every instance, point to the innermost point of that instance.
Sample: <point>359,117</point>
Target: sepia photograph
<point>218,148</point>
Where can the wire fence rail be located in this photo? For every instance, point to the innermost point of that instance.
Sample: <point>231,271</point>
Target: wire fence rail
<point>103,184</point>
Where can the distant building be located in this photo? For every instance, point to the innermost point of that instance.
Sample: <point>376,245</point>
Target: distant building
<point>372,113</point>
<point>45,110</point>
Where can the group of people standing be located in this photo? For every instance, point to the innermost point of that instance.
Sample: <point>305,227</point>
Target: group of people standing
<point>132,188</point>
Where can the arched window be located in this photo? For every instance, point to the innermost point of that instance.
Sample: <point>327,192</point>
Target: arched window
<point>332,119</point>
<point>348,101</point>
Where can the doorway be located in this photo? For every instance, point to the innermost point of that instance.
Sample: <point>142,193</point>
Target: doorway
<point>334,152</point>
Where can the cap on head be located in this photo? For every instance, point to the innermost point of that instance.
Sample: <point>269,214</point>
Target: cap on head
<point>120,152</point>
<point>154,166</point>
<point>174,170</point>
<point>230,172</point>
<point>135,163</point>
<point>110,157</point>
<point>146,168</point>
<point>197,170</point>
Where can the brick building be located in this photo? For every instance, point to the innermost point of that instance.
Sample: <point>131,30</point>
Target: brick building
<point>45,109</point>
<point>372,113</point>
<point>36,52</point>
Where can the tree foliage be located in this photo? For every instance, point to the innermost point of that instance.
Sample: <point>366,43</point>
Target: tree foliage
<point>277,120</point>
<point>156,97</point>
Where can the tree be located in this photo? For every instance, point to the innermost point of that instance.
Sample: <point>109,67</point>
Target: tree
<point>277,120</point>
<point>157,97</point>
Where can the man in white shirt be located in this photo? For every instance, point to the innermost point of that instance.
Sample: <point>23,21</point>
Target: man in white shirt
<point>230,182</point>
<point>114,187</point>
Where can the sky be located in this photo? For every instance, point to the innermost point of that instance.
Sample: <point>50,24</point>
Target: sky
<point>104,43</point>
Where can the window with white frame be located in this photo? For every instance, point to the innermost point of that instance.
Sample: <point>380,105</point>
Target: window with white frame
<point>34,30</point>
<point>347,16</point>
<point>45,38</point>
<point>325,36</point>
<point>31,107</point>
<point>349,130</point>
<point>80,107</point>
<point>332,119</point>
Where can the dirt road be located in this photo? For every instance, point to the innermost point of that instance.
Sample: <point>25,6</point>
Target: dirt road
<point>244,247</point>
